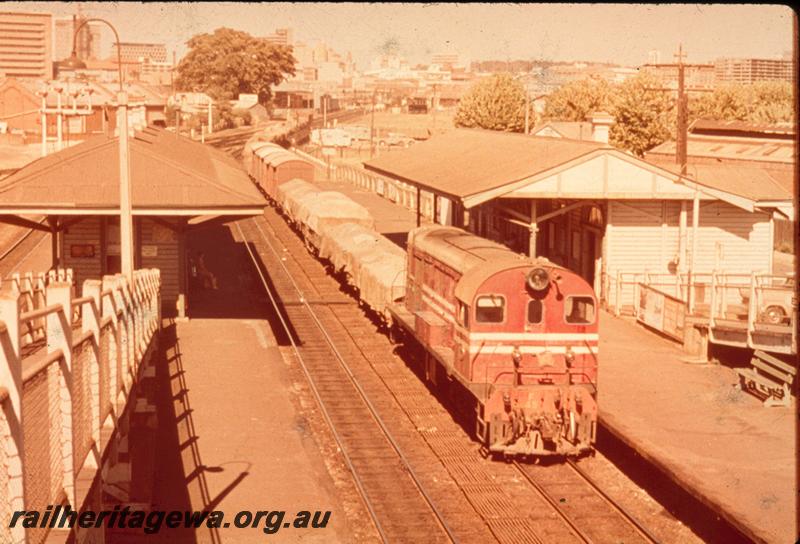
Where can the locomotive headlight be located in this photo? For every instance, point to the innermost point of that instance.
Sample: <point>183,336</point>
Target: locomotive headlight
<point>538,279</point>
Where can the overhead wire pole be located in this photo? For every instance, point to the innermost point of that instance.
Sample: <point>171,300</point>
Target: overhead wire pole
<point>681,137</point>
<point>372,125</point>
<point>527,110</point>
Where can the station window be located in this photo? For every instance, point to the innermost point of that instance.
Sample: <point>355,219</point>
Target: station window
<point>535,311</point>
<point>579,310</point>
<point>490,309</point>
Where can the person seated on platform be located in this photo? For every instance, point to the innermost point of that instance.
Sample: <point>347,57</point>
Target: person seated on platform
<point>209,279</point>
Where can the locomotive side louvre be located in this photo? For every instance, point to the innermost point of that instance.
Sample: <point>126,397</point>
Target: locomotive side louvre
<point>526,355</point>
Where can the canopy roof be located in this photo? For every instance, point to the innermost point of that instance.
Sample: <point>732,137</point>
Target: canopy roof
<point>465,162</point>
<point>170,175</point>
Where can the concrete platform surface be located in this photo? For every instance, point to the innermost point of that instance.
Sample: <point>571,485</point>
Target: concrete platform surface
<point>241,445</point>
<point>721,444</point>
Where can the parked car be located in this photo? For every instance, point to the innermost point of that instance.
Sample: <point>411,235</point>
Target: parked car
<point>775,302</point>
<point>395,139</point>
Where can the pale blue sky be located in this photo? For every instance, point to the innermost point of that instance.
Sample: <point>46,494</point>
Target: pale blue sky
<point>619,33</point>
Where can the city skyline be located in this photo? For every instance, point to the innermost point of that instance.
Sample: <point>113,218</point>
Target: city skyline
<point>475,31</point>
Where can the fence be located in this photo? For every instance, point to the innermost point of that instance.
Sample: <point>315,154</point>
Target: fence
<point>755,303</point>
<point>394,190</point>
<point>73,381</point>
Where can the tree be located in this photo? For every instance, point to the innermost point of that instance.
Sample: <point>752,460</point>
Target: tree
<point>577,99</point>
<point>229,62</point>
<point>495,103</point>
<point>644,114</point>
<point>762,102</point>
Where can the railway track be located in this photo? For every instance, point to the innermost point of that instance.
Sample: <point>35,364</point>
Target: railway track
<point>505,512</point>
<point>396,498</point>
<point>583,506</point>
<point>18,250</point>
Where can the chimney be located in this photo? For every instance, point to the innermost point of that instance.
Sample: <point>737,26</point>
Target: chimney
<point>601,123</point>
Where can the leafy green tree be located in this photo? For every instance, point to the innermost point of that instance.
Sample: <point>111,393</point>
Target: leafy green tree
<point>644,114</point>
<point>229,62</point>
<point>762,102</point>
<point>495,103</point>
<point>577,99</point>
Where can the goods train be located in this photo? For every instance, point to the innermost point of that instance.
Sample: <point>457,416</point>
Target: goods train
<point>513,340</point>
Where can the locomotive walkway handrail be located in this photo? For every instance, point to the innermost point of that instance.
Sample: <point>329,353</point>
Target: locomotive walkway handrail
<point>373,411</point>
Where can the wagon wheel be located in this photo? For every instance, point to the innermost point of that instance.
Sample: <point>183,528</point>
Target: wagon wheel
<point>774,315</point>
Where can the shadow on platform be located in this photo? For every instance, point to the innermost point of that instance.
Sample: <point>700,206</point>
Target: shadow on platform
<point>240,293</point>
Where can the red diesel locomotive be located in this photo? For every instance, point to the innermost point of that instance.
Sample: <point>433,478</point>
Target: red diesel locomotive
<point>519,337</point>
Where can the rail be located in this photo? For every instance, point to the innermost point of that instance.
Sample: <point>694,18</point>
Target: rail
<point>19,241</point>
<point>585,529</point>
<point>59,397</point>
<point>326,415</point>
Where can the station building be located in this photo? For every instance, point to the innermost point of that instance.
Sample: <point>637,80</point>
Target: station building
<point>602,212</point>
<point>177,186</point>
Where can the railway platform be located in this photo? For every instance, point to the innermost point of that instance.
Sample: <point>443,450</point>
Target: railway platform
<point>231,433</point>
<point>720,444</point>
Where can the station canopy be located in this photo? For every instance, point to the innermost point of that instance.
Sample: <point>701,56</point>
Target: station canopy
<point>475,166</point>
<point>170,176</point>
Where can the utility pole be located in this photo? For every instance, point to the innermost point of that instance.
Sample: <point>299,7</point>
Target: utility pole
<point>681,139</point>
<point>372,126</point>
<point>325,111</point>
<point>210,119</point>
<point>527,109</point>
<point>434,104</point>
<point>682,103</point>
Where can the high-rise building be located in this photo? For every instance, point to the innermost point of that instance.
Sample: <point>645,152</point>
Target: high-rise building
<point>727,70</point>
<point>26,45</point>
<point>136,52</point>
<point>445,60</point>
<point>281,36</point>
<point>696,77</point>
<point>87,44</point>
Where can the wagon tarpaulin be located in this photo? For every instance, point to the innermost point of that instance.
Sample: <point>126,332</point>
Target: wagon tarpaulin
<point>373,264</point>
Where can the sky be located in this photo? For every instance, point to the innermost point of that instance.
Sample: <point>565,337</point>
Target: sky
<point>618,33</point>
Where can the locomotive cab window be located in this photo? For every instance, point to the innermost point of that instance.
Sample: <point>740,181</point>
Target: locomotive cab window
<point>579,310</point>
<point>490,309</point>
<point>535,311</point>
<point>463,314</point>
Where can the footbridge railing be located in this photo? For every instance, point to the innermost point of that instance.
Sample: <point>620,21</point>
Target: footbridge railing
<point>64,385</point>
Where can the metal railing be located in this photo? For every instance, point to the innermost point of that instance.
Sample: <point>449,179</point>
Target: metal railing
<point>396,191</point>
<point>757,304</point>
<point>56,400</point>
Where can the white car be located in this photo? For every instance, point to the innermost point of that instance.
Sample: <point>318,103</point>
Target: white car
<point>396,139</point>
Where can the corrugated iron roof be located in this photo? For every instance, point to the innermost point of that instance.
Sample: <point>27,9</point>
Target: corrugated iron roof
<point>752,182</point>
<point>728,147</point>
<point>714,125</point>
<point>168,172</point>
<point>465,162</point>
